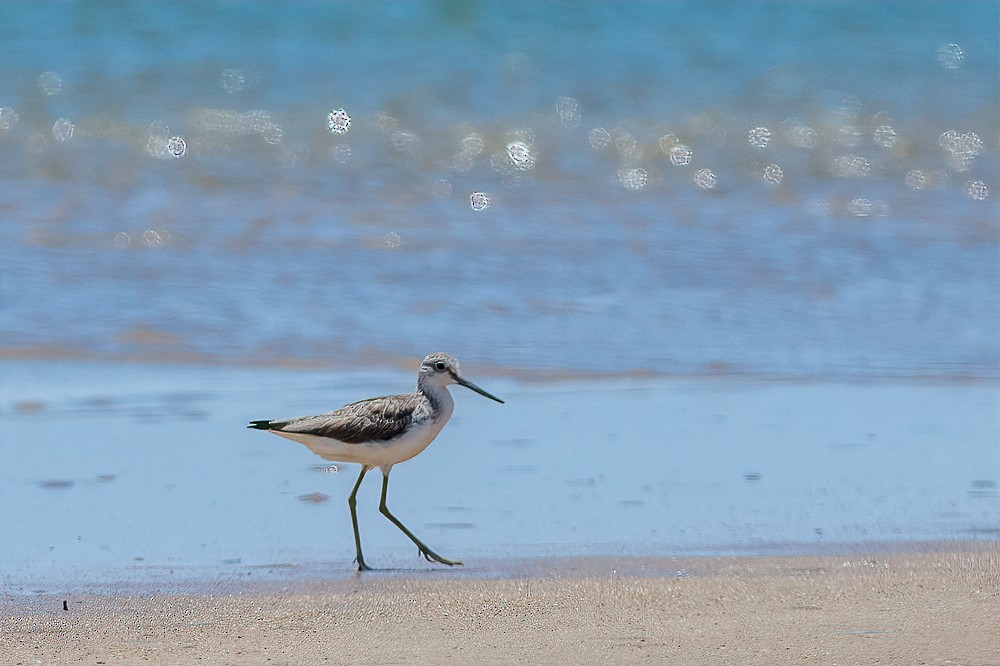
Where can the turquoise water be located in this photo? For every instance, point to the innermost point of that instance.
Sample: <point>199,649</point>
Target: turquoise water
<point>835,216</point>
<point>767,230</point>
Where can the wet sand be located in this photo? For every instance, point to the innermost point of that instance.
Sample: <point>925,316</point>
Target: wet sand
<point>122,467</point>
<point>938,606</point>
<point>176,536</point>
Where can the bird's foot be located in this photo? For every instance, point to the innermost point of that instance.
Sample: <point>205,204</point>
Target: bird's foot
<point>361,565</point>
<point>431,556</point>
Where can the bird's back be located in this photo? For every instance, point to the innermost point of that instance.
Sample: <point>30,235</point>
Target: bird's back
<point>373,432</point>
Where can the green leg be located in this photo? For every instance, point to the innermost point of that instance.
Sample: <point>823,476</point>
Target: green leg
<point>429,554</point>
<point>352,502</point>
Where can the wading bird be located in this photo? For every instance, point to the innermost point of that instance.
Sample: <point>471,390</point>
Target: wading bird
<point>380,432</point>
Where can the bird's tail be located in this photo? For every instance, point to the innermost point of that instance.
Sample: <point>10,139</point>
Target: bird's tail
<point>260,425</point>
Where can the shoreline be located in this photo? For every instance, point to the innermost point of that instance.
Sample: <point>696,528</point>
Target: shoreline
<point>390,364</point>
<point>918,607</point>
<point>289,576</point>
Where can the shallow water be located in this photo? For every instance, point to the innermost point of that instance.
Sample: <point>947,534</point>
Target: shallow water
<point>112,472</point>
<point>797,197</point>
<point>674,188</point>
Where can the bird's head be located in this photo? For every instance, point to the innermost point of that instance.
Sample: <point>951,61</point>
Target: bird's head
<point>440,369</point>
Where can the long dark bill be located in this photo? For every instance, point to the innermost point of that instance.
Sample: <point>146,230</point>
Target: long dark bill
<point>467,384</point>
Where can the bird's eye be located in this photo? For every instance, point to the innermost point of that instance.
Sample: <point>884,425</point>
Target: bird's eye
<point>440,365</point>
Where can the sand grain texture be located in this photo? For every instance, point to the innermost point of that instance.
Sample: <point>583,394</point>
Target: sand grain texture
<point>939,608</point>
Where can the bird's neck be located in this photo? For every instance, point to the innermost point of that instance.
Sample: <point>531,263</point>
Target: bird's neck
<point>439,397</point>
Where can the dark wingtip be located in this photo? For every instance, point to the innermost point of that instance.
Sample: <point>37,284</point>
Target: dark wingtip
<point>260,425</point>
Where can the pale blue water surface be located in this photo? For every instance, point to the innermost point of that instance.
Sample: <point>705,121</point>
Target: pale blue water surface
<point>789,206</point>
<point>132,469</point>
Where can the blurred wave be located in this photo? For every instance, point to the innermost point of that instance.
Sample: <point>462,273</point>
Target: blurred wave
<point>581,188</point>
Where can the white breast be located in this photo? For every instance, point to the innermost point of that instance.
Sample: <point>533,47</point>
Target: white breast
<point>376,454</point>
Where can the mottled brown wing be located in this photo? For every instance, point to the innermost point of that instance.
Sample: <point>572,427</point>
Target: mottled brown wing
<point>375,419</point>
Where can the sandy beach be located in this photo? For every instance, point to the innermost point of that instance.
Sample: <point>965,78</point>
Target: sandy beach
<point>171,548</point>
<point>937,606</point>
